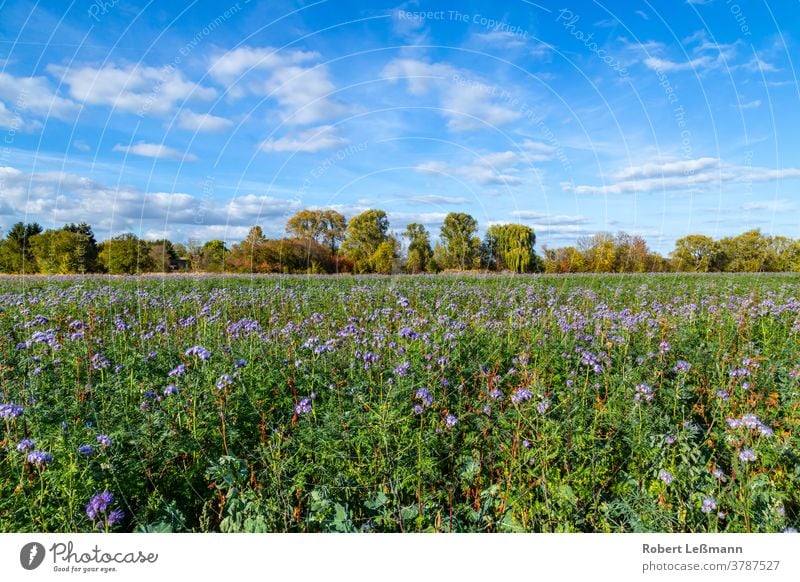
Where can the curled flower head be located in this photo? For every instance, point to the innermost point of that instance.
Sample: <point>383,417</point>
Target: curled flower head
<point>170,390</point>
<point>665,476</point>
<point>747,455</point>
<point>25,445</point>
<point>104,440</point>
<point>644,393</point>
<point>40,458</point>
<point>11,410</point>
<point>86,450</point>
<point>99,511</point>
<point>303,407</point>
<point>179,370</point>
<point>521,395</point>
<point>450,420</point>
<point>709,505</point>
<point>198,351</point>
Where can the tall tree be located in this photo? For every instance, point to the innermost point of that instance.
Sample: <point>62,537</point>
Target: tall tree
<point>460,247</point>
<point>163,257</point>
<point>212,256</point>
<point>125,254</point>
<point>16,254</point>
<point>365,233</point>
<point>510,246</point>
<point>322,226</point>
<point>58,252</point>
<point>86,251</point>
<point>696,253</point>
<point>420,253</point>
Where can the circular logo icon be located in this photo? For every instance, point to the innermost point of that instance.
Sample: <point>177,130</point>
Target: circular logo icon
<point>31,555</point>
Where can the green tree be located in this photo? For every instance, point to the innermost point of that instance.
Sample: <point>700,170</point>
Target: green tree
<point>125,254</point>
<point>419,255</point>
<point>16,254</point>
<point>163,255</point>
<point>212,256</point>
<point>322,226</point>
<point>57,252</point>
<point>460,248</point>
<point>382,260</point>
<point>86,251</point>
<point>599,252</point>
<point>696,253</point>
<point>510,247</point>
<point>746,253</point>
<point>365,233</point>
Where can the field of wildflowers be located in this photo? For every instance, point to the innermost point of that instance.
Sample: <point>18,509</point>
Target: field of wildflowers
<point>500,404</point>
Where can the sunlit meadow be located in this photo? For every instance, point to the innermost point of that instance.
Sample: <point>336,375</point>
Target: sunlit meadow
<point>488,404</point>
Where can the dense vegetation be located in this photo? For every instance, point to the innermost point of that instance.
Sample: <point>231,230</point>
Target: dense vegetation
<point>323,241</point>
<point>586,403</point>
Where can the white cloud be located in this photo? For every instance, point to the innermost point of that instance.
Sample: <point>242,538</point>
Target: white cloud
<point>202,121</point>
<point>682,175</point>
<point>480,172</point>
<point>133,88</point>
<point>81,145</point>
<point>770,205</point>
<point>652,170</point>
<point>228,67</point>
<point>311,140</point>
<point>669,66</point>
<point>549,219</point>
<point>436,199</point>
<point>756,103</point>
<point>466,101</point>
<point>303,93</point>
<point>155,150</point>
<point>53,198</point>
<point>33,95</point>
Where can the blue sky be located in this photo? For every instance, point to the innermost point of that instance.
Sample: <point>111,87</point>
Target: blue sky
<point>199,120</point>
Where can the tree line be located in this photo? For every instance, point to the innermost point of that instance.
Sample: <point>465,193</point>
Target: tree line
<point>323,241</point>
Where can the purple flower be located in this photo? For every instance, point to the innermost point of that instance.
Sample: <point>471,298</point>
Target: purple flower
<point>450,420</point>
<point>723,395</point>
<point>747,455</point>
<point>663,347</point>
<point>709,505</point>
<point>98,508</point>
<point>198,351</point>
<point>99,362</point>
<point>665,476</point>
<point>114,516</point>
<point>304,407</point>
<point>11,410</point>
<point>719,474</point>
<point>104,440</point>
<point>487,410</point>
<point>543,406</point>
<point>224,381</point>
<point>495,394</point>
<point>526,443</point>
<point>402,369</point>
<point>170,390</point>
<point>669,439</point>
<point>86,450</point>
<point>521,395</point>
<point>643,392</point>
<point>240,364</point>
<point>25,445</point>
<point>180,370</point>
<point>682,366</point>
<point>40,458</point>
<point>424,395</point>
<point>418,409</point>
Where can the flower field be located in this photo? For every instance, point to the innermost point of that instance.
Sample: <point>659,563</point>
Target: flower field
<point>488,404</point>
